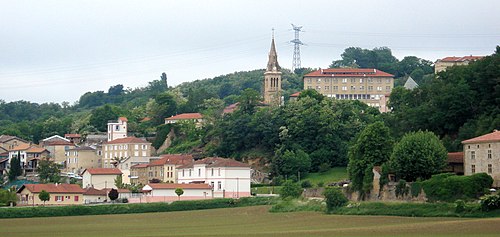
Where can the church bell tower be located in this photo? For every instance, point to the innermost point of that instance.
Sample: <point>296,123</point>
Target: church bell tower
<point>272,78</point>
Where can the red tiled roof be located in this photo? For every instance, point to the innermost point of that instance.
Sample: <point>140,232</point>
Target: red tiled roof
<point>183,186</point>
<point>59,143</point>
<point>72,135</point>
<point>120,190</point>
<point>230,108</point>
<point>124,119</point>
<point>53,188</point>
<point>21,147</point>
<point>349,72</point>
<point>461,59</point>
<point>127,140</point>
<point>172,159</point>
<point>216,162</point>
<point>94,192</point>
<point>296,94</point>
<point>455,157</point>
<point>186,116</point>
<point>103,171</point>
<point>145,119</point>
<point>36,150</point>
<point>140,166</point>
<point>490,137</point>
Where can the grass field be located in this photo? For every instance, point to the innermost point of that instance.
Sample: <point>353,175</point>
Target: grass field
<point>246,221</point>
<point>333,175</point>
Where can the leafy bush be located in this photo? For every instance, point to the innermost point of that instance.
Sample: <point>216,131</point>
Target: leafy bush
<point>402,189</point>
<point>290,189</point>
<point>490,202</point>
<point>321,184</point>
<point>7,197</point>
<point>334,199</point>
<point>79,210</point>
<point>459,206</point>
<point>306,184</point>
<point>449,187</point>
<point>416,188</point>
<point>324,167</point>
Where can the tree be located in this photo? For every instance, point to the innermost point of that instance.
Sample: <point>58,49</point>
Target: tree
<point>48,171</point>
<point>113,194</point>
<point>44,196</point>
<point>290,189</point>
<point>291,163</point>
<point>418,155</point>
<point>15,168</point>
<point>100,116</point>
<point>334,199</point>
<point>249,99</point>
<point>115,90</point>
<point>7,197</point>
<point>179,192</point>
<point>373,147</point>
<point>164,79</point>
<point>119,182</point>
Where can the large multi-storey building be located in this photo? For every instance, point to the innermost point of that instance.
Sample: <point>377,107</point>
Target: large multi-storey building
<point>482,155</point>
<point>81,158</point>
<point>442,64</point>
<point>123,148</point>
<point>364,84</point>
<point>227,177</point>
<point>272,79</point>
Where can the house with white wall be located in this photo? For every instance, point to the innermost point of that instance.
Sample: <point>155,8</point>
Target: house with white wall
<point>117,129</point>
<point>100,178</point>
<point>227,177</point>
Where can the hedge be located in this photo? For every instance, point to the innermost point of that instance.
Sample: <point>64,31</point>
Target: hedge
<point>450,187</point>
<point>80,210</point>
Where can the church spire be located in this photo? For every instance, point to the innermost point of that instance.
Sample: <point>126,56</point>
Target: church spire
<point>272,64</point>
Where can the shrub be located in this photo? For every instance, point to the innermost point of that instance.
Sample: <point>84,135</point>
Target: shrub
<point>449,187</point>
<point>334,199</point>
<point>459,206</point>
<point>416,188</point>
<point>402,189</point>
<point>321,184</point>
<point>490,202</point>
<point>324,167</point>
<point>290,189</point>
<point>306,184</point>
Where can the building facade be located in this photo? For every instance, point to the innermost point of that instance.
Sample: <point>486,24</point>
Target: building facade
<point>364,84</point>
<point>124,148</point>
<point>227,177</point>
<point>272,79</point>
<point>58,149</point>
<point>482,155</point>
<point>441,64</point>
<point>100,178</point>
<point>9,142</point>
<point>117,129</point>
<point>163,169</point>
<point>81,158</point>
<point>60,194</point>
<point>196,118</point>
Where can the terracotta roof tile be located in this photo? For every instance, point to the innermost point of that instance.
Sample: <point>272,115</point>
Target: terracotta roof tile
<point>72,135</point>
<point>490,137</point>
<point>296,94</point>
<point>21,147</point>
<point>216,162</point>
<point>127,140</point>
<point>172,159</point>
<point>59,143</point>
<point>455,157</point>
<point>461,59</point>
<point>140,166</point>
<point>348,72</point>
<point>53,188</point>
<point>186,116</point>
<point>94,192</point>
<point>36,150</point>
<point>124,119</point>
<point>103,171</point>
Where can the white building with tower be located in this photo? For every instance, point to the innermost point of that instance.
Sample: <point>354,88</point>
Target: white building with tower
<point>117,129</point>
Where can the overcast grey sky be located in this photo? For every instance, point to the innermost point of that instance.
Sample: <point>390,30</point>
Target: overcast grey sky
<point>54,51</point>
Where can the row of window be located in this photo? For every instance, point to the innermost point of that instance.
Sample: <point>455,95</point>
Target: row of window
<point>124,154</point>
<point>199,172</point>
<point>61,198</point>
<point>352,88</point>
<point>345,80</point>
<point>489,146</point>
<point>473,154</point>
<point>124,147</point>
<point>219,185</point>
<point>355,96</point>
<point>490,169</point>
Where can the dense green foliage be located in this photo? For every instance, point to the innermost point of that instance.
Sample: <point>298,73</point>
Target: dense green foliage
<point>44,196</point>
<point>79,210</point>
<point>449,187</point>
<point>334,199</point>
<point>179,192</point>
<point>373,147</point>
<point>7,197</point>
<point>15,168</point>
<point>423,151</point>
<point>290,189</point>
<point>490,202</point>
<point>113,194</point>
<point>402,188</point>
<point>49,171</point>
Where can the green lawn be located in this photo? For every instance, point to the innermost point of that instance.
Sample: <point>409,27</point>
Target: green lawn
<point>246,221</point>
<point>333,175</point>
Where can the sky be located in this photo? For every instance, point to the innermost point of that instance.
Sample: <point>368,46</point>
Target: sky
<point>55,51</point>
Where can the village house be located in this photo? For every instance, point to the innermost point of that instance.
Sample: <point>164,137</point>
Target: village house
<point>92,195</point>
<point>127,163</point>
<point>73,137</point>
<point>117,129</point>
<point>455,163</point>
<point>227,177</point>
<point>196,118</point>
<point>100,178</point>
<point>163,169</point>
<point>9,142</point>
<point>441,64</point>
<point>122,148</point>
<point>81,158</point>
<point>29,156</point>
<point>482,155</point>
<point>60,194</point>
<point>58,149</point>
